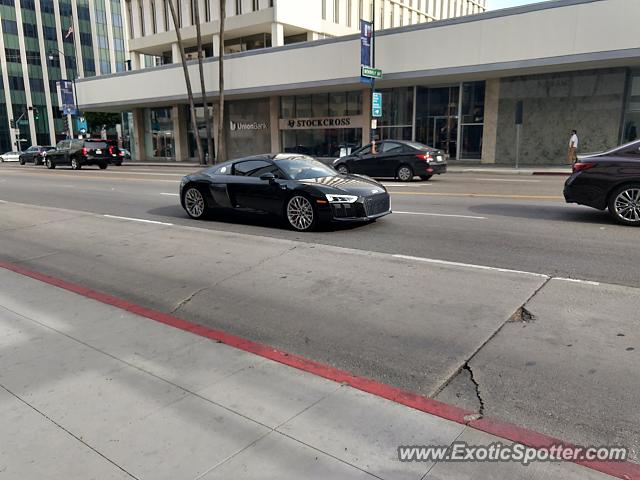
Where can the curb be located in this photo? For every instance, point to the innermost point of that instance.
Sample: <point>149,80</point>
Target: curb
<point>624,470</point>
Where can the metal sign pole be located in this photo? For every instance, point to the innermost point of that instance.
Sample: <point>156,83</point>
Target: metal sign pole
<point>518,129</point>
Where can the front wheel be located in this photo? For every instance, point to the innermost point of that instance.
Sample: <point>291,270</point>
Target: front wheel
<point>343,169</point>
<point>624,205</point>
<point>49,163</point>
<point>405,174</point>
<point>102,166</point>
<point>194,203</point>
<point>75,164</point>
<point>300,213</point>
<point>21,161</point>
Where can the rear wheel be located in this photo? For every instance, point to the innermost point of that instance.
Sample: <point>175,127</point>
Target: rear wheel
<point>75,164</point>
<point>50,164</point>
<point>624,204</point>
<point>300,213</point>
<point>21,161</point>
<point>425,177</point>
<point>405,173</point>
<point>102,166</point>
<point>343,169</point>
<point>194,203</point>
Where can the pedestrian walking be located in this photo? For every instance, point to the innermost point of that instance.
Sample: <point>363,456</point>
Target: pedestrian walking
<point>572,157</point>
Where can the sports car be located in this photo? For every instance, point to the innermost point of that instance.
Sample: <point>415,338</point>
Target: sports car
<point>299,189</point>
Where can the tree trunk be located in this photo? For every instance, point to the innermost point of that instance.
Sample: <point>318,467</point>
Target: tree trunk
<point>194,121</point>
<point>222,147</point>
<point>207,118</point>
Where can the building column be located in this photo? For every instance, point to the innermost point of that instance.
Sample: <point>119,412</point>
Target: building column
<point>274,124</point>
<point>490,131</point>
<point>175,53</point>
<point>216,45</point>
<point>366,114</point>
<point>277,35</point>
<point>134,58</point>
<point>137,135</point>
<point>312,36</point>
<point>180,131</point>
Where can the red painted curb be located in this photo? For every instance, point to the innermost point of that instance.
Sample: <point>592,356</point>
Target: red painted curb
<point>624,470</point>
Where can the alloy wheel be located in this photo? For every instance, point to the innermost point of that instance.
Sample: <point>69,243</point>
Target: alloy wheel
<point>300,213</point>
<point>405,174</point>
<point>343,169</point>
<point>194,202</point>
<point>627,205</point>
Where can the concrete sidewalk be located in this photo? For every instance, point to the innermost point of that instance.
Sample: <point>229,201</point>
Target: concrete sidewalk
<point>90,391</point>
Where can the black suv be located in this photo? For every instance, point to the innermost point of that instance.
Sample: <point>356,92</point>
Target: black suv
<point>79,153</point>
<point>34,154</point>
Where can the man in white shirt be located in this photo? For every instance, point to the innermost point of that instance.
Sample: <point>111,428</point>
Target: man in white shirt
<point>573,147</point>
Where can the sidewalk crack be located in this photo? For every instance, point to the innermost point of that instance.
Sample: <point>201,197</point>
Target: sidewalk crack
<point>476,385</point>
<point>182,303</point>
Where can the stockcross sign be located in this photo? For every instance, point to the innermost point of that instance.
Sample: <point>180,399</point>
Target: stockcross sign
<point>320,123</point>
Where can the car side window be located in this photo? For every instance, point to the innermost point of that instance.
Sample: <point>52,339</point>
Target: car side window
<point>61,145</point>
<point>254,168</point>
<point>365,151</point>
<point>32,149</point>
<point>224,170</point>
<point>391,147</point>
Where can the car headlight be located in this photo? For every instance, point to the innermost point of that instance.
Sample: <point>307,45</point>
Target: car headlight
<point>341,198</point>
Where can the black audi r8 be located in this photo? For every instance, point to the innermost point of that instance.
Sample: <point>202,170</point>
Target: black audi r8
<point>299,189</point>
<point>608,180</point>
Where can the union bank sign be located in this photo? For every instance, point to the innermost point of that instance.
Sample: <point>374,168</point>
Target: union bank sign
<point>320,123</point>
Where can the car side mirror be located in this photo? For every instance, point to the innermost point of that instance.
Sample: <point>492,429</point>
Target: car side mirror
<point>270,177</point>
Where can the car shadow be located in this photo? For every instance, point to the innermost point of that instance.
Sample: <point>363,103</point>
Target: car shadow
<point>559,213</point>
<point>249,219</point>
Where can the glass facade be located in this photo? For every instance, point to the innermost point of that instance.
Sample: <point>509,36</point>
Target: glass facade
<point>632,115</point>
<point>159,135</point>
<point>330,117</point>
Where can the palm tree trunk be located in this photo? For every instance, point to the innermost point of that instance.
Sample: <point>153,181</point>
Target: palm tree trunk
<point>207,118</point>
<point>222,147</point>
<point>194,121</point>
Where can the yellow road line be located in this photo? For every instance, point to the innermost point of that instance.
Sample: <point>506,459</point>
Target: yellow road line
<point>484,195</point>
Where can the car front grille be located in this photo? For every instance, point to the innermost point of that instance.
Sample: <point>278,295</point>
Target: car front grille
<point>377,204</point>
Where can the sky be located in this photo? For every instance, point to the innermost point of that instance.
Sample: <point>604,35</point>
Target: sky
<point>496,4</point>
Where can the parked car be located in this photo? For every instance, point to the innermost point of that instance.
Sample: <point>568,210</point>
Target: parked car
<point>399,159</point>
<point>79,153</point>
<point>10,157</point>
<point>116,155</point>
<point>34,154</point>
<point>303,191</point>
<point>609,180</point>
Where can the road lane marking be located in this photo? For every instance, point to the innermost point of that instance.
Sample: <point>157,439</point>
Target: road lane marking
<point>170,194</point>
<point>482,195</point>
<point>404,185</point>
<point>576,280</point>
<point>469,265</point>
<point>440,215</point>
<point>506,180</point>
<point>142,220</point>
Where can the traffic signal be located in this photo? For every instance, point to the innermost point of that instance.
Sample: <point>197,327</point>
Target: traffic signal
<point>66,123</point>
<point>36,113</point>
<point>12,123</point>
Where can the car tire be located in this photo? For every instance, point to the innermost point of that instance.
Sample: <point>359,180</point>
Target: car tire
<point>300,213</point>
<point>425,177</point>
<point>195,203</point>
<point>405,173</point>
<point>21,161</point>
<point>102,166</point>
<point>118,164</point>
<point>50,164</point>
<point>342,169</point>
<point>624,204</point>
<point>75,164</point>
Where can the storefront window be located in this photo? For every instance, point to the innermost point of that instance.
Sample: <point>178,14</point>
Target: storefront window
<point>159,138</point>
<point>472,120</point>
<point>632,115</point>
<point>322,142</point>
<point>202,131</point>
<point>322,105</point>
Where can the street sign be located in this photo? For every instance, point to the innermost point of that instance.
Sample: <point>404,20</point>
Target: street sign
<point>81,125</point>
<point>371,72</point>
<point>374,123</point>
<point>66,97</point>
<point>366,34</point>
<point>376,105</point>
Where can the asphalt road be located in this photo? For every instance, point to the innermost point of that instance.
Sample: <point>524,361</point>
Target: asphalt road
<point>401,300</point>
<point>512,222</point>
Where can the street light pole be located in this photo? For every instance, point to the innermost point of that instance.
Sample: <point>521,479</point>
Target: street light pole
<point>373,80</point>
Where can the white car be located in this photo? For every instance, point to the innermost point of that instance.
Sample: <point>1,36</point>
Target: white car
<point>10,157</point>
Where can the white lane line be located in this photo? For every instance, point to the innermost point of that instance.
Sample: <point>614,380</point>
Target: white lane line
<point>469,265</point>
<point>440,215</point>
<point>151,174</point>
<point>506,180</point>
<point>3,201</point>
<point>170,194</point>
<point>142,220</point>
<point>576,280</point>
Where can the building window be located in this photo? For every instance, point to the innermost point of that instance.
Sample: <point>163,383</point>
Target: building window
<point>141,11</point>
<point>349,12</point>
<point>192,11</point>
<point>130,15</point>
<point>207,11</point>
<point>324,9</point>
<point>154,26</point>
<point>167,14</point>
<point>238,7</point>
<point>256,5</point>
<point>336,11</point>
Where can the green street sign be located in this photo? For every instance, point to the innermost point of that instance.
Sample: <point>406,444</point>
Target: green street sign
<point>371,72</point>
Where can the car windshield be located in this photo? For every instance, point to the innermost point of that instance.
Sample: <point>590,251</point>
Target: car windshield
<point>302,168</point>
